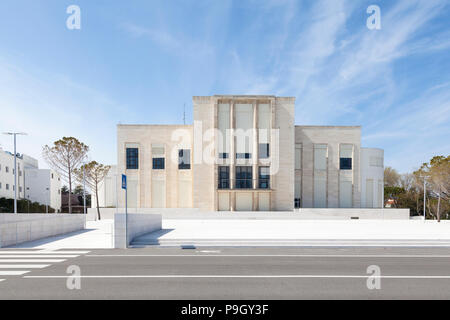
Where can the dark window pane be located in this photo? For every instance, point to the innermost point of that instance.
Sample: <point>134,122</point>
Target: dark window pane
<point>158,163</point>
<point>346,164</point>
<point>264,178</point>
<point>243,155</point>
<point>224,177</point>
<point>223,155</point>
<point>132,158</point>
<point>244,178</point>
<point>184,159</point>
<point>297,203</point>
<point>263,150</point>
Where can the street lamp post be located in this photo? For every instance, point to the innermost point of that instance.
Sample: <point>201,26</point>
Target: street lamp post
<point>424,199</point>
<point>15,166</point>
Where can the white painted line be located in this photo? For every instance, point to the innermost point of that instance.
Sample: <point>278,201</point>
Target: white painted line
<point>39,256</point>
<point>2,280</point>
<point>23,266</point>
<point>311,276</point>
<point>32,260</point>
<point>272,255</point>
<point>12,273</point>
<point>42,252</point>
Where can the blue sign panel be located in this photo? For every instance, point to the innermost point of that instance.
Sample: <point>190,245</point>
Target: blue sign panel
<point>124,182</point>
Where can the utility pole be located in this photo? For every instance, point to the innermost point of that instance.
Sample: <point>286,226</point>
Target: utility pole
<point>424,199</point>
<point>15,166</point>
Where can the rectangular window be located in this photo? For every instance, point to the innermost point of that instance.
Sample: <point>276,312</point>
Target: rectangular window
<point>20,189</point>
<point>243,155</point>
<point>298,157</point>
<point>158,163</point>
<point>345,155</point>
<point>320,156</point>
<point>223,155</point>
<point>244,177</point>
<point>376,162</point>
<point>263,151</point>
<point>132,158</point>
<point>224,177</point>
<point>184,159</point>
<point>7,186</point>
<point>345,164</point>
<point>264,178</point>
<point>223,126</point>
<point>0,185</point>
<point>7,169</point>
<point>345,193</point>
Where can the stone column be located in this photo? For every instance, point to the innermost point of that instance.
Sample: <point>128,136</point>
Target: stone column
<point>232,156</point>
<point>255,145</point>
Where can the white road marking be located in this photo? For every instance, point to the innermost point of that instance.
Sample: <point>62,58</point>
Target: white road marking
<point>42,252</point>
<point>246,276</point>
<point>2,280</point>
<point>23,266</point>
<point>13,273</point>
<point>271,255</point>
<point>38,256</point>
<point>32,260</point>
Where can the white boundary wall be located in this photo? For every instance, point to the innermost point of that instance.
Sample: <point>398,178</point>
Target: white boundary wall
<point>298,214</point>
<point>19,228</point>
<point>137,225</point>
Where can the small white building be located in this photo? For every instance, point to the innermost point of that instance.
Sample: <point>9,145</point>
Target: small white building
<point>34,184</point>
<point>43,186</point>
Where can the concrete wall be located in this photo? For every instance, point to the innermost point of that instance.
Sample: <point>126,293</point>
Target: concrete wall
<point>333,137</point>
<point>173,137</point>
<point>18,228</point>
<point>136,224</point>
<point>300,214</point>
<point>372,167</point>
<point>362,214</point>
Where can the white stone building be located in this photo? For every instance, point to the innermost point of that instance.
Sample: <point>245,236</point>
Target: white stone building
<point>34,184</point>
<point>244,153</point>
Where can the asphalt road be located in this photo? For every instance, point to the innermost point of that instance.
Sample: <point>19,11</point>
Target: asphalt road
<point>227,273</point>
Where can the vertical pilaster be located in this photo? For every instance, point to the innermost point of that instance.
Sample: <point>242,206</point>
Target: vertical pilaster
<point>255,145</point>
<point>232,156</point>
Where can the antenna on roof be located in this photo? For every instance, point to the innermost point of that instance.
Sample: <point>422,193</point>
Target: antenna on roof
<point>184,114</point>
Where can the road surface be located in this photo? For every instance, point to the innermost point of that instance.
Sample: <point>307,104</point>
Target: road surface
<point>226,273</point>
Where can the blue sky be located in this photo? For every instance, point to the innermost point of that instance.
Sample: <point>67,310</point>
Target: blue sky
<point>140,61</point>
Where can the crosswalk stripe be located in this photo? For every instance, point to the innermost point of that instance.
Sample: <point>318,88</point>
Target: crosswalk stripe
<point>42,252</point>
<point>38,256</point>
<point>13,273</point>
<point>23,266</point>
<point>32,260</point>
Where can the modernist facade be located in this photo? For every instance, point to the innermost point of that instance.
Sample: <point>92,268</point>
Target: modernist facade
<point>34,184</point>
<point>244,153</point>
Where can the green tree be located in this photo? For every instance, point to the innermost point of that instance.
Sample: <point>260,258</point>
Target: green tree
<point>65,156</point>
<point>437,175</point>
<point>94,173</point>
<point>391,177</point>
